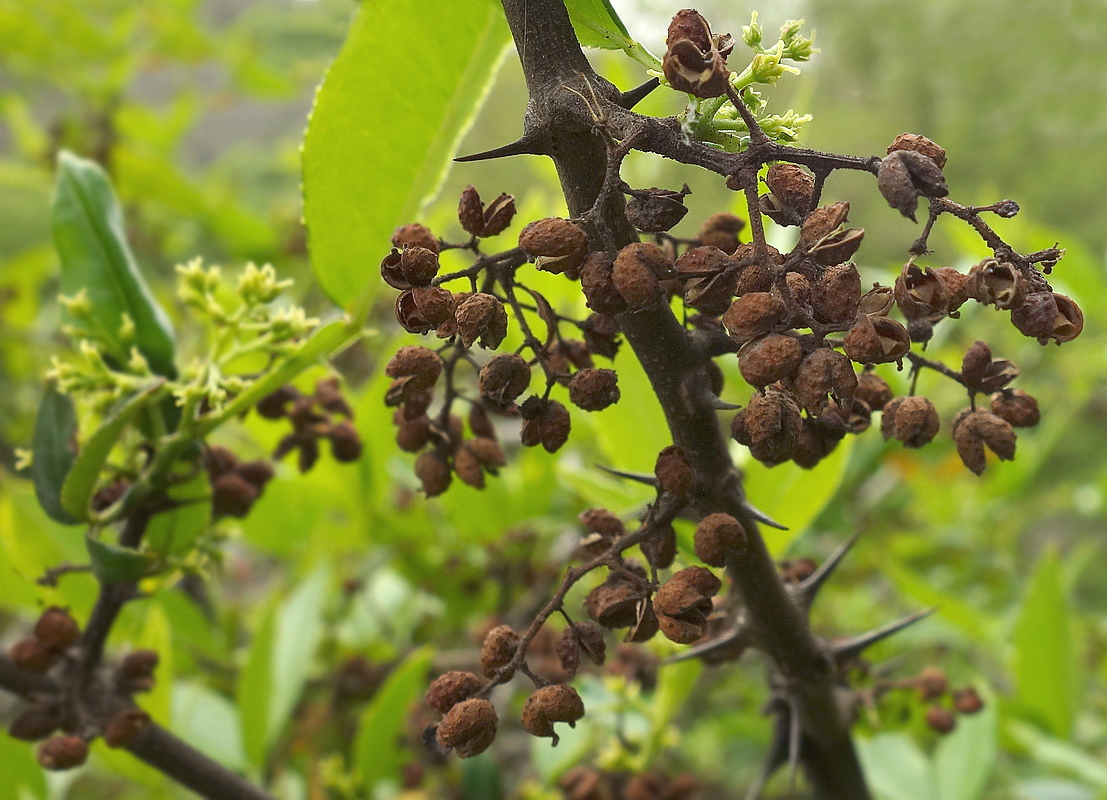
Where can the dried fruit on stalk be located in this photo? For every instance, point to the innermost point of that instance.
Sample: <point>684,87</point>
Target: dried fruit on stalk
<point>754,314</point>
<point>920,144</point>
<point>433,472</point>
<point>415,234</point>
<point>973,430</point>
<point>594,389</point>
<point>673,471</point>
<point>683,603</point>
<point>550,704</point>
<point>62,752</point>
<point>695,61</point>
<point>769,359</point>
<point>468,728</point>
<point>447,690</point>
<point>56,629</point>
<point>636,273</point>
<point>556,244</point>
<point>721,230</point>
<point>481,316</point>
<point>545,422</point>
<point>717,537</point>
<point>1017,407</point>
<point>655,210</point>
<point>913,420</point>
<point>420,365</point>
<point>503,379</point>
<point>497,651</point>
<point>792,185</point>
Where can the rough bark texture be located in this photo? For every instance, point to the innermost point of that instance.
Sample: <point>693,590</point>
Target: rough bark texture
<point>562,125</point>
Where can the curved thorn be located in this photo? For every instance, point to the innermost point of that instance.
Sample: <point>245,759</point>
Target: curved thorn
<point>847,649</point>
<point>639,477</point>
<point>629,99</point>
<point>810,587</point>
<point>722,405</point>
<point>762,517</point>
<point>724,640</point>
<point>524,146</point>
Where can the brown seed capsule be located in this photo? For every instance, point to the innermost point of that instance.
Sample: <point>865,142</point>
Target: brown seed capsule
<point>673,471</point>
<point>683,604</point>
<point>233,496</point>
<point>1017,407</point>
<point>821,222</point>
<point>499,648</point>
<point>878,301</point>
<point>257,473</point>
<point>591,641</point>
<point>503,379</point>
<point>29,655</point>
<point>754,314</point>
<point>583,783</point>
<point>931,683</point>
<point>872,390</point>
<point>660,547</point>
<point>717,537</point>
<point>598,283</point>
<point>412,435</point>
<point>916,421</point>
<point>838,248</point>
<point>920,293</point>
<point>708,278</point>
<point>822,372</point>
<point>470,211</point>
<point>655,210</point>
<point>594,389</point>
<point>417,235</point>
<point>695,61</point>
<point>893,179</point>
<point>467,468</point>
<point>920,144</point>
<point>433,472</point>
<point>773,423</point>
<point>940,719</point>
<point>602,521</point>
<point>346,444</point>
<point>975,429</point>
<point>1036,315</point>
<point>875,340</point>
<point>545,422</point>
<point>568,651</point>
<point>997,283</point>
<point>636,271</point>
<point>56,629</point>
<point>36,723</point>
<point>956,287</point>
<point>468,728</point>
<point>925,174</point>
<point>550,704</point>
<point>557,245</point>
<point>1069,322</point>
<point>498,215</point>
<point>967,701</point>
<point>62,752</point>
<point>721,230</point>
<point>481,316</point>
<point>447,690</point>
<point>125,727</point>
<point>419,265</point>
<point>614,603</point>
<point>769,359</point>
<point>421,364</point>
<point>487,453</point>
<point>135,672</point>
<point>792,185</point>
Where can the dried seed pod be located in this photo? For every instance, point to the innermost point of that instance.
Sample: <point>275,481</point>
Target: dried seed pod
<point>557,703</point>
<point>822,372</point>
<point>753,278</point>
<point>232,496</point>
<point>602,521</point>
<point>273,405</point>
<point>433,471</point>
<point>721,230</point>
<point>503,379</point>
<point>557,245</point>
<point>683,604</point>
<point>447,690</point>
<point>835,297</point>
<point>1036,315</point>
<point>36,723</point>
<point>135,673</point>
<point>967,701</point>
<point>487,452</point>
<point>983,374</point>
<point>62,752</point>
<point>614,603</point>
<point>792,185</point>
<point>421,364</point>
<point>594,389</point>
<point>872,390</point>
<point>346,443</point>
<point>717,537</point>
<point>545,422</point>
<point>415,234</point>
<point>973,430</point>
<point>695,61</point>
<point>875,340</point>
<point>1069,322</point>
<point>660,547</point>
<point>920,144</point>
<point>391,271</point>
<point>893,179</point>
<point>412,435</point>
<point>467,468</point>
<point>940,719</point>
<point>772,423</point>
<point>468,728</point>
<point>56,629</point>
<point>568,651</point>
<point>591,641</point>
<point>470,211</point>
<point>125,727</point>
<point>878,301</point>
<point>920,293</point>
<point>601,335</point>
<point>839,247</point>
<point>997,283</point>
<point>821,222</point>
<point>956,287</point>
<point>636,271</point>
<point>931,683</point>
<point>481,316</point>
<point>925,174</point>
<point>655,210</point>
<point>754,314</point>
<point>498,215</point>
<point>915,422</point>
<point>500,645</point>
<point>674,472</point>
<point>709,281</point>
<point>738,430</point>
<point>1017,407</point>
<point>811,447</point>
<point>598,283</point>
<point>769,359</point>
<point>419,265</point>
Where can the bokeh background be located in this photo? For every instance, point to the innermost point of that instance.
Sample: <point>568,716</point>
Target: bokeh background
<point>197,111</point>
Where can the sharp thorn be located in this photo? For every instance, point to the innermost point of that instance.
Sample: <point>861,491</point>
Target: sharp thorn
<point>762,517</point>
<point>728,639</point>
<point>810,587</point>
<point>722,405</point>
<point>629,99</point>
<point>638,477</point>
<point>520,147</point>
<point>847,649</point>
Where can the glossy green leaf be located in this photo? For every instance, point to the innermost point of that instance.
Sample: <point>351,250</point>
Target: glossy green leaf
<point>597,24</point>
<point>1052,752</point>
<point>23,777</point>
<point>91,242</point>
<point>1045,658</point>
<point>115,564</point>
<point>255,688</point>
<point>209,722</point>
<point>81,480</point>
<point>299,632</point>
<point>55,427</point>
<point>174,532</point>
<point>896,768</point>
<point>387,119</point>
<point>965,758</point>
<point>794,496</point>
<point>376,752</point>
<point>675,683</point>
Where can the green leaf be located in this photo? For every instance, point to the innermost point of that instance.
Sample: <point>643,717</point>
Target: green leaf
<point>116,564</point>
<point>92,244</point>
<point>674,685</point>
<point>174,532</point>
<point>1045,658</point>
<point>794,496</point>
<point>23,777</point>
<point>387,119</point>
<point>209,722</point>
<point>81,480</point>
<point>255,687</point>
<point>597,24</point>
<point>895,768</point>
<point>965,758</point>
<point>377,753</point>
<point>55,426</point>
<point>1051,752</point>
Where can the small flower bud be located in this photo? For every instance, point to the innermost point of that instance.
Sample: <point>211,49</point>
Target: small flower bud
<point>468,728</point>
<point>449,689</point>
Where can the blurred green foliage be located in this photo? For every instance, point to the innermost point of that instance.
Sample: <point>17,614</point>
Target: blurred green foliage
<point>342,585</point>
